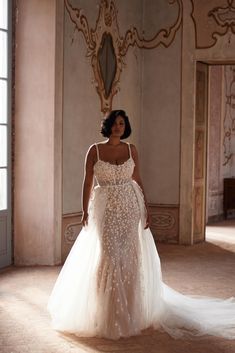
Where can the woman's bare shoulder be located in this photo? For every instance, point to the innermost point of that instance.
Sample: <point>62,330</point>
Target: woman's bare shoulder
<point>92,150</point>
<point>133,149</point>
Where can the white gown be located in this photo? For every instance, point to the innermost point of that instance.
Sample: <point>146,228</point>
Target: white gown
<point>111,284</point>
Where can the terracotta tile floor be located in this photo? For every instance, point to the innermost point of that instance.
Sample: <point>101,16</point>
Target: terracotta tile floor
<point>207,269</point>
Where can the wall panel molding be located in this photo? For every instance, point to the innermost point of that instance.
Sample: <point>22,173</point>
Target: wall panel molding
<point>71,227</point>
<point>165,223</point>
<point>164,226</point>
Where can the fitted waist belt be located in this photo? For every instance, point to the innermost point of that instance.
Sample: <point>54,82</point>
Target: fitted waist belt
<point>118,184</point>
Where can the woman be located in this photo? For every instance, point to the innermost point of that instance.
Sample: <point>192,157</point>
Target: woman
<point>110,284</point>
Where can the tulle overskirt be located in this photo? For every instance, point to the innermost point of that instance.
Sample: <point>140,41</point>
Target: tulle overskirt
<point>77,306</point>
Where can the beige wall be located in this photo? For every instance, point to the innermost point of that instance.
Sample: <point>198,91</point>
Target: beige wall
<point>34,174</point>
<point>161,123</point>
<point>81,114</point>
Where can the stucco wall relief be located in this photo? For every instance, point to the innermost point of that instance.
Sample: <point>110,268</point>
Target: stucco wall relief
<point>107,34</point>
<point>212,19</point>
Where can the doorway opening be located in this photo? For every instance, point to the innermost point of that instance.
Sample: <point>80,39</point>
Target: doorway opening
<point>220,189</point>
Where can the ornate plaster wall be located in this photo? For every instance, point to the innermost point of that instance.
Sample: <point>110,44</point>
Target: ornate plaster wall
<point>157,88</point>
<point>81,108</point>
<point>149,92</point>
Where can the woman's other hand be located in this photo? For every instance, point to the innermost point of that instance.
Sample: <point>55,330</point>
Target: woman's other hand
<point>148,220</point>
<point>84,220</point>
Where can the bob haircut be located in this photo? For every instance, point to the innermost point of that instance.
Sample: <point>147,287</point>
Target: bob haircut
<point>109,121</point>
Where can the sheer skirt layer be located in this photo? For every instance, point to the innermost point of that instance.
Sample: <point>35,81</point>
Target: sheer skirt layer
<point>111,283</point>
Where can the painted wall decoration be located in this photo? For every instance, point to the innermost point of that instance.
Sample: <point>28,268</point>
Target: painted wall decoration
<point>212,19</point>
<point>229,116</point>
<point>107,48</point>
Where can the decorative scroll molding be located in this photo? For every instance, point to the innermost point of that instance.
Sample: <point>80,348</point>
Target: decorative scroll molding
<point>165,222</point>
<point>164,36</point>
<point>212,22</point>
<point>225,16</point>
<point>71,227</point>
<point>71,232</point>
<point>107,25</point>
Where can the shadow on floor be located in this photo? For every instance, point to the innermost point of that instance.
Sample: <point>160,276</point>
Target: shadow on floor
<point>152,342</point>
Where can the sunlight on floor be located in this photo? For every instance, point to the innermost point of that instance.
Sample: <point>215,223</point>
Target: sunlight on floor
<point>222,234</point>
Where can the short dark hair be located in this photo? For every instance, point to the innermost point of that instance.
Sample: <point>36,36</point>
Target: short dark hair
<point>108,122</point>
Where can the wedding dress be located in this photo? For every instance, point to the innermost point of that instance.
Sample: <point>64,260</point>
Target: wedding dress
<point>111,284</point>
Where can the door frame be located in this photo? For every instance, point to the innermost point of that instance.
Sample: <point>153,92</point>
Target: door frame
<point>187,166</point>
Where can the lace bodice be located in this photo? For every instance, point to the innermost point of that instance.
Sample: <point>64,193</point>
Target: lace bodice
<point>112,174</point>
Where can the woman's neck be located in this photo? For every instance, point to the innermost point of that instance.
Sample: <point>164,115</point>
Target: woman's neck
<point>114,141</point>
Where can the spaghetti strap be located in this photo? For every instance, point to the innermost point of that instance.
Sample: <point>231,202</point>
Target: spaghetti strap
<point>97,151</point>
<point>129,147</point>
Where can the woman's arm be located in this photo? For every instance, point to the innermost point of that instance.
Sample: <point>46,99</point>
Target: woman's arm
<point>137,178</point>
<point>87,182</point>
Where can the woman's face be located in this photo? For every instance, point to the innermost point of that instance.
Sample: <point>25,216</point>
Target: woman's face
<point>118,127</point>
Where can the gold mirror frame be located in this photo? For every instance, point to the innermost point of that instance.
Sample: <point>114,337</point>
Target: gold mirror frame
<point>107,23</point>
